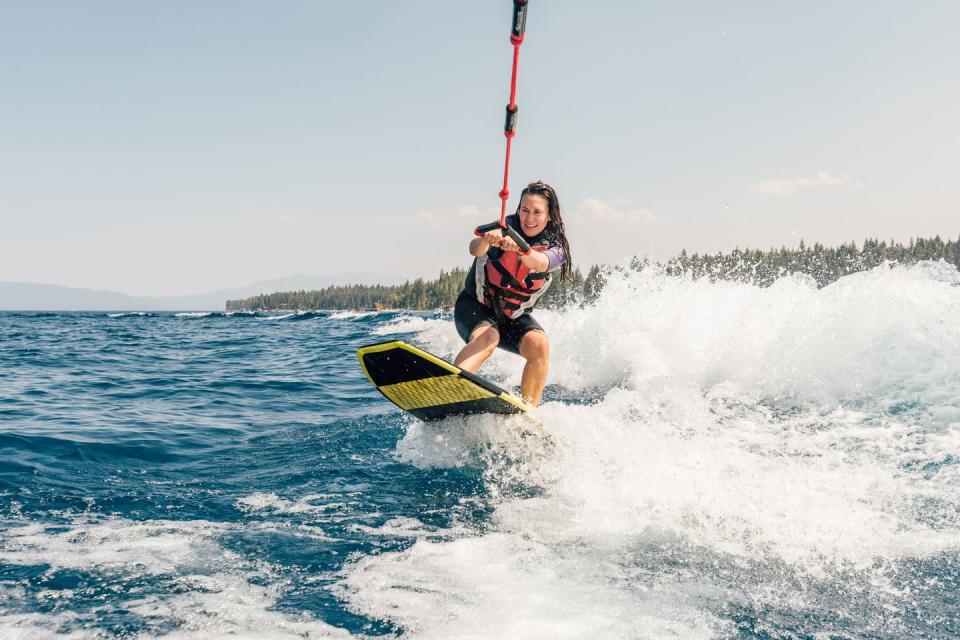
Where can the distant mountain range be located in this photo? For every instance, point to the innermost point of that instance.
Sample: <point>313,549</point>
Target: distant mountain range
<point>27,296</point>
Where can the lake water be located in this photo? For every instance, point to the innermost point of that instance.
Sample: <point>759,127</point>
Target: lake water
<point>716,461</point>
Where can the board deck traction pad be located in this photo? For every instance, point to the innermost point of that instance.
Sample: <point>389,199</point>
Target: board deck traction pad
<point>429,387</point>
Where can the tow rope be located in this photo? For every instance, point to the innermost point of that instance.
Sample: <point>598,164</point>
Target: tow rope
<point>510,127</point>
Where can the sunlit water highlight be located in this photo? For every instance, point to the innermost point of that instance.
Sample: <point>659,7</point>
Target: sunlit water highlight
<point>717,461</point>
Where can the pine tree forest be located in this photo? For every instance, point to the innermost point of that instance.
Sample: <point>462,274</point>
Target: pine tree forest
<point>757,267</point>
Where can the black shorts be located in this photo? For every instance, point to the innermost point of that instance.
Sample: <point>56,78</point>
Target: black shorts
<point>470,312</point>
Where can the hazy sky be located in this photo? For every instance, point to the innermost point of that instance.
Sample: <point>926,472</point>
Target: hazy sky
<point>177,147</point>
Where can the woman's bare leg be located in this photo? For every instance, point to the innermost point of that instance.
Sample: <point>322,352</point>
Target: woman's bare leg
<point>483,342</point>
<point>535,347</point>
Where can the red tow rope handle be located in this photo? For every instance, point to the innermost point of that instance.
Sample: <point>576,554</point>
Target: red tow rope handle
<point>510,126</point>
<point>509,231</point>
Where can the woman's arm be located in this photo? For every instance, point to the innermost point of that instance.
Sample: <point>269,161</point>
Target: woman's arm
<point>536,261</point>
<point>480,245</point>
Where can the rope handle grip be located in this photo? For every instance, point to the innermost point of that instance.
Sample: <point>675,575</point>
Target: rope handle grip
<point>510,231</point>
<point>519,21</point>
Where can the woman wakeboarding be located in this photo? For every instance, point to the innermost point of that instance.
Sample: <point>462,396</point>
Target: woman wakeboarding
<point>505,283</point>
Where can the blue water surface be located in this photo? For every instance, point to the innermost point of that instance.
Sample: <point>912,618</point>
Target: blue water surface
<point>216,474</point>
<point>162,417</point>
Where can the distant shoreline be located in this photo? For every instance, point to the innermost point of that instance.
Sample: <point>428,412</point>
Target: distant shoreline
<point>760,268</point>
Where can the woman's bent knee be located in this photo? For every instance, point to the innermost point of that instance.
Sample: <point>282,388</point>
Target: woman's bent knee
<point>485,336</point>
<point>535,345</point>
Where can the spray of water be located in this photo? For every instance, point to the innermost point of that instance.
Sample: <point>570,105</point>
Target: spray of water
<point>732,450</point>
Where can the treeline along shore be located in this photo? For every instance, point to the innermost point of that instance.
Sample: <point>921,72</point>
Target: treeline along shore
<point>761,268</point>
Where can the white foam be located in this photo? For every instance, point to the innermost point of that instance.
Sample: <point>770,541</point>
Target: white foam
<point>223,607</point>
<point>153,546</point>
<point>402,527</point>
<point>508,586</point>
<point>408,324</point>
<point>874,338</point>
<point>46,626</point>
<point>319,503</point>
<point>207,591</point>
<point>352,315</point>
<point>279,317</point>
<point>790,433</point>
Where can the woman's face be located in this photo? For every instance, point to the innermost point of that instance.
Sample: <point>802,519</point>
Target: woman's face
<point>534,214</point>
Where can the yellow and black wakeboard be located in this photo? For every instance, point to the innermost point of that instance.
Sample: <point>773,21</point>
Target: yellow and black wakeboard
<point>429,387</point>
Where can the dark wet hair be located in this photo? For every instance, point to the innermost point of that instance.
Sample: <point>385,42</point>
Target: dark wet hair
<point>555,226</point>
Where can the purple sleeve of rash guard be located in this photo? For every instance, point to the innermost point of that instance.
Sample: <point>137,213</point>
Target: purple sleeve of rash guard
<point>556,255</point>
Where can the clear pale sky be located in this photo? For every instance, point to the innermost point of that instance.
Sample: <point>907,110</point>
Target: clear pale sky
<point>177,147</point>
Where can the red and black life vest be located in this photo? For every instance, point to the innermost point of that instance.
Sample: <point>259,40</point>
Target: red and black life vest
<point>504,283</point>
